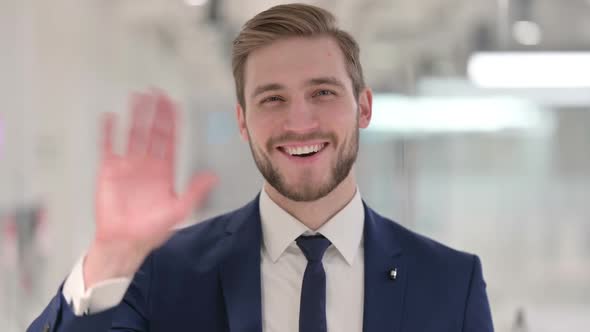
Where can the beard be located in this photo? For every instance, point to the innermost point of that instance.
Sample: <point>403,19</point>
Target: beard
<point>308,191</point>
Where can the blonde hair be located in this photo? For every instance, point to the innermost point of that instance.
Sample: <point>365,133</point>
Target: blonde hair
<point>292,20</point>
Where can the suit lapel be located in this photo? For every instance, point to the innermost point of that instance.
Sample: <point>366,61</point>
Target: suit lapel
<point>240,273</point>
<point>241,285</point>
<point>384,296</point>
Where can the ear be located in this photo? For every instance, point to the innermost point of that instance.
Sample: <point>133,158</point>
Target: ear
<point>365,107</point>
<point>241,117</point>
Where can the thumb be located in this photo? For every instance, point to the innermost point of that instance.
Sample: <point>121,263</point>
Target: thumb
<point>199,188</point>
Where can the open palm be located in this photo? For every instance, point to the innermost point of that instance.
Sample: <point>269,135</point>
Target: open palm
<point>136,203</point>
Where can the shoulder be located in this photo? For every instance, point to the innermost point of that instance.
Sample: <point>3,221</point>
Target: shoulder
<point>425,251</point>
<point>206,242</point>
<point>434,269</point>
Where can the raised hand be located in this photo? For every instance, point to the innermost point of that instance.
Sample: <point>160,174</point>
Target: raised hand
<point>136,204</point>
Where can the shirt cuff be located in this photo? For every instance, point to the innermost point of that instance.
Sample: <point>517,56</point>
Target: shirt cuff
<point>102,296</point>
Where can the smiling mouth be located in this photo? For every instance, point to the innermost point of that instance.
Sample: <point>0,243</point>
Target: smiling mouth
<point>304,150</point>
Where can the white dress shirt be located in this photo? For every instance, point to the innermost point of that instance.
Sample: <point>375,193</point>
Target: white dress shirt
<point>282,267</point>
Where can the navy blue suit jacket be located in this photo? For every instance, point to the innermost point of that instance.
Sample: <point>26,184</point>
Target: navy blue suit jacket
<point>207,278</point>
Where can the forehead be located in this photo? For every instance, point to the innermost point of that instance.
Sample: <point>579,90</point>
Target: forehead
<point>295,60</point>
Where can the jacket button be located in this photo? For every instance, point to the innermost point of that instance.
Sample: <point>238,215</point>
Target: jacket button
<point>46,327</point>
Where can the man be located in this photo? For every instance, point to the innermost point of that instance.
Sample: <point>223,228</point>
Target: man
<point>306,255</point>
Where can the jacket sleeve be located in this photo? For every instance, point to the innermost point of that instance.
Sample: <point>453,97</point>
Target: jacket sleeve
<point>478,317</point>
<point>131,314</point>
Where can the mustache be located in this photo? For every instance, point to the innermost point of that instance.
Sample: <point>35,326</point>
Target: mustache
<point>290,136</point>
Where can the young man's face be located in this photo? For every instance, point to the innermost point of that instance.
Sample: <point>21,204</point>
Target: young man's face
<point>302,119</point>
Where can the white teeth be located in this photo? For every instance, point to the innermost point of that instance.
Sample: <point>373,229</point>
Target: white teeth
<point>304,149</point>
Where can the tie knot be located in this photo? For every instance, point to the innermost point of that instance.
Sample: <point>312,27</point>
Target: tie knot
<point>313,247</point>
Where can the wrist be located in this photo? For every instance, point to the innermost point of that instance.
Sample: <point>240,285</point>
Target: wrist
<point>108,261</point>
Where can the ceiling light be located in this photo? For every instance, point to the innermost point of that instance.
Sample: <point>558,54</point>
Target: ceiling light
<point>527,33</point>
<point>399,114</point>
<point>195,2</point>
<point>530,70</point>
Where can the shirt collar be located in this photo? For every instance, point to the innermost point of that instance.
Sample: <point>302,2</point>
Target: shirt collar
<point>280,229</point>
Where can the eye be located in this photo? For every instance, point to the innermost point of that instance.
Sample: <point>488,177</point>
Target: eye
<point>271,99</point>
<point>324,93</point>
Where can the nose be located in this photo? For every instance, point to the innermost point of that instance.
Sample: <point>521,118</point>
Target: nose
<point>301,117</point>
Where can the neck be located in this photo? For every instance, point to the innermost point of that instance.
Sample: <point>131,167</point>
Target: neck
<point>315,213</point>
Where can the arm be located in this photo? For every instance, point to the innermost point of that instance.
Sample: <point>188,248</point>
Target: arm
<point>51,319</point>
<point>478,317</point>
<point>129,315</point>
<point>136,210</point>
<point>89,300</point>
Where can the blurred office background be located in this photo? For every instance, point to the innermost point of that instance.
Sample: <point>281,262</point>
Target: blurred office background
<point>480,137</point>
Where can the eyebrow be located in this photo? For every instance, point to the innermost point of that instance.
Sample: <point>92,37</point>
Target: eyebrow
<point>330,80</point>
<point>265,88</point>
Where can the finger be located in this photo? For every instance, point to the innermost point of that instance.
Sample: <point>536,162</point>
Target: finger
<point>108,125</point>
<point>141,107</point>
<point>162,137</point>
<point>200,187</point>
